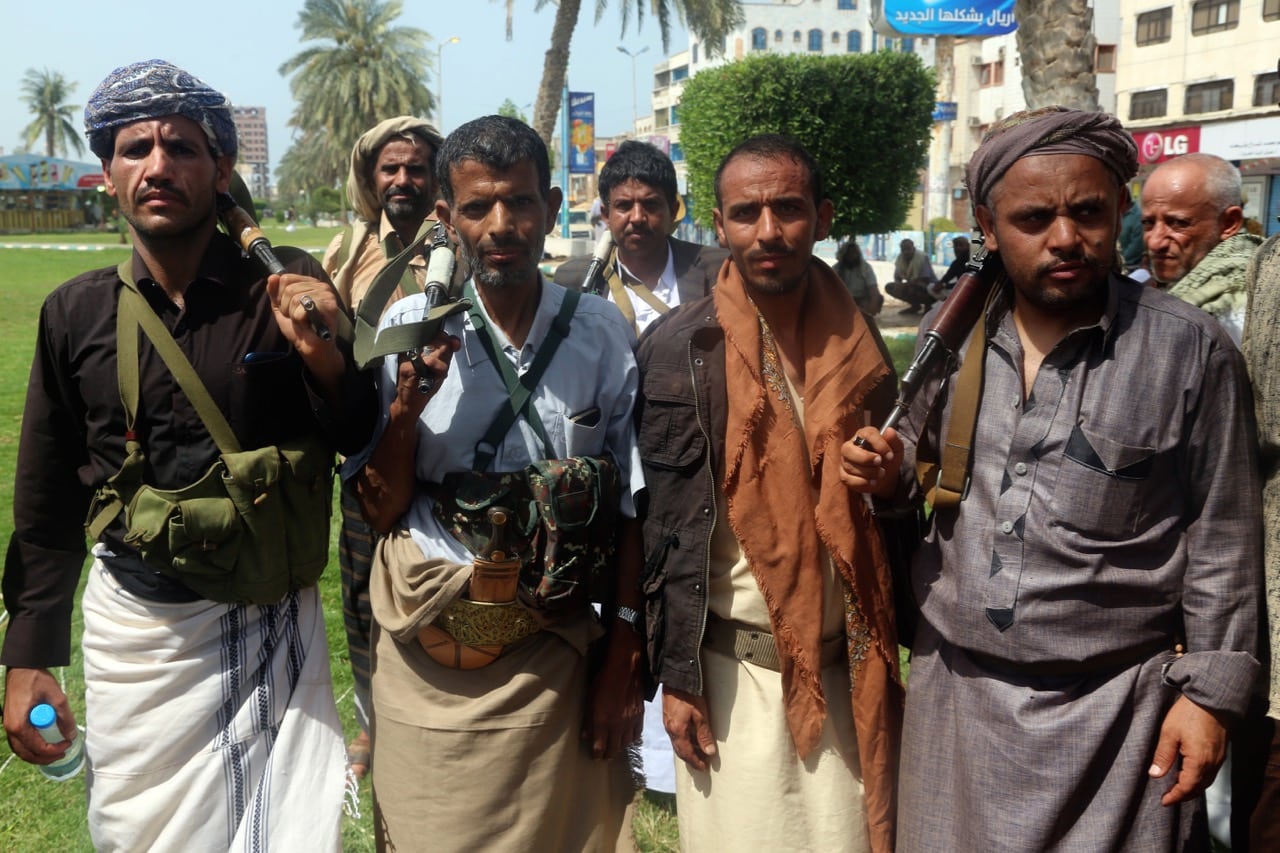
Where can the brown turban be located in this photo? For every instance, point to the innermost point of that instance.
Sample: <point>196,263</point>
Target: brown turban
<point>1050,130</point>
<point>360,192</point>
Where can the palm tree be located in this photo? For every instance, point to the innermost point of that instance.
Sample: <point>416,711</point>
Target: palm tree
<point>45,93</point>
<point>364,70</point>
<point>709,20</point>
<point>1056,46</point>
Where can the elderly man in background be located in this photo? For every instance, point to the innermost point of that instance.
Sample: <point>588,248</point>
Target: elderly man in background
<point>210,723</point>
<point>1192,222</point>
<point>1089,603</point>
<point>392,189</point>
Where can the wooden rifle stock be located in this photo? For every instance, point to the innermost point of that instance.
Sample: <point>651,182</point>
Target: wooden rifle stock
<point>949,328</point>
<point>245,231</point>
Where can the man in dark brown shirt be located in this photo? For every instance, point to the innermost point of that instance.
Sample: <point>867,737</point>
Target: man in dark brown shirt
<point>199,695</point>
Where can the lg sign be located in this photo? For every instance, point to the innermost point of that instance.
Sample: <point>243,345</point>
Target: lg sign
<point>1158,146</point>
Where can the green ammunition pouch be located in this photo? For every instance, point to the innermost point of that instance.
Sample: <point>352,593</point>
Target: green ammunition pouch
<point>253,528</point>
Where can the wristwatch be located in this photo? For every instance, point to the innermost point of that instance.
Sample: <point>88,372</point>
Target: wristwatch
<point>631,616</point>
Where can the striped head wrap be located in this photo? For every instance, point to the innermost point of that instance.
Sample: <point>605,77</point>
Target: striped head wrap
<point>360,192</point>
<point>1050,130</point>
<point>149,90</point>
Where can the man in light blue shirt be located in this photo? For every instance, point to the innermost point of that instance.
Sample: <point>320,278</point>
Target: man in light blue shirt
<point>527,751</point>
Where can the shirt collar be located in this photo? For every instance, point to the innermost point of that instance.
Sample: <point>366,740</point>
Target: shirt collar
<point>549,299</point>
<point>665,281</point>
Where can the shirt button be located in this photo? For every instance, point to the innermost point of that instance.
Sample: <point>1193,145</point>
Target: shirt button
<point>1020,468</point>
<point>1006,527</point>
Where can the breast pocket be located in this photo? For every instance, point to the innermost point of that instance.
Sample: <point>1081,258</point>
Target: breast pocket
<point>1102,486</point>
<point>670,436</point>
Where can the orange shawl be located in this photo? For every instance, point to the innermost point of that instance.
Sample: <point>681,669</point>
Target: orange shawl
<point>782,533</point>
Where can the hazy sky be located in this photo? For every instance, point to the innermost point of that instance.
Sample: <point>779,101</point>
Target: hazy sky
<point>237,46</point>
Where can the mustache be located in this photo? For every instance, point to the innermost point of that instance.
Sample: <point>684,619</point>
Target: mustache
<point>769,251</point>
<point>407,190</point>
<point>150,190</point>
<point>1083,259</point>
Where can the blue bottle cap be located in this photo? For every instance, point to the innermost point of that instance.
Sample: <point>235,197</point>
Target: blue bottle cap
<point>43,716</point>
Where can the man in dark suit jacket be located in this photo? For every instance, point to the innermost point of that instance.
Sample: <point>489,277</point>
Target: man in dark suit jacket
<point>650,272</point>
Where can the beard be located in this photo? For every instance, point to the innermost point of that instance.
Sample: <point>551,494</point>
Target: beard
<point>1068,300</point>
<point>404,203</point>
<point>508,276</point>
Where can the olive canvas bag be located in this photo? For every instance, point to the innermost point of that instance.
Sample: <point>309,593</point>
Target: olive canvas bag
<point>253,528</point>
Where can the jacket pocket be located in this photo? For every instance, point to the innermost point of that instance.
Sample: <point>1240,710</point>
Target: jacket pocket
<point>670,436</point>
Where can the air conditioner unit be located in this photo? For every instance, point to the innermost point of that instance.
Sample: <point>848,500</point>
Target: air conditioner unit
<point>1000,55</point>
<point>976,59</point>
<point>999,113</point>
<point>974,121</point>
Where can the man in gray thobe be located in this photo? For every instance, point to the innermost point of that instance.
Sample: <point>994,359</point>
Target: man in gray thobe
<point>1089,610</point>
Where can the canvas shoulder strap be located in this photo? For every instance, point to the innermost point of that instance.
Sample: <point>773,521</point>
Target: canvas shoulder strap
<point>946,483</point>
<point>133,312</point>
<point>519,388</point>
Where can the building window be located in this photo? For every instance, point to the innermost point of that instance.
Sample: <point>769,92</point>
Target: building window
<point>908,45</point>
<point>1213,16</point>
<point>1266,89</point>
<point>854,44</point>
<point>694,51</point>
<point>795,37</point>
<point>677,153</point>
<point>991,74</point>
<point>678,74</point>
<point>1154,27</point>
<point>1270,10</point>
<point>815,40</point>
<point>847,4</point>
<point>1208,97</point>
<point>1104,59</point>
<point>758,39</point>
<point>777,35</point>
<point>675,115</point>
<point>835,38</point>
<point>1152,104</point>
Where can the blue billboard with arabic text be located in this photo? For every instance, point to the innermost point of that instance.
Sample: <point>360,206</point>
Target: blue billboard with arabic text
<point>943,17</point>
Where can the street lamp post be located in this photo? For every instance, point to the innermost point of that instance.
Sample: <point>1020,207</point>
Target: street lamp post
<point>440,80</point>
<point>634,115</point>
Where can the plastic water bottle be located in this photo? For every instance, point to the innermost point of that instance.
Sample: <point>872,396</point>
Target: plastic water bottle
<point>45,720</point>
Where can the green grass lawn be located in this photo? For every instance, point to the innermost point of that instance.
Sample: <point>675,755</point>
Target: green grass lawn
<point>42,815</point>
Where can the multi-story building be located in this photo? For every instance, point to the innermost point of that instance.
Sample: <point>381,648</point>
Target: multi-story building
<point>253,163</point>
<point>985,83</point>
<point>775,26</point>
<point>1202,76</point>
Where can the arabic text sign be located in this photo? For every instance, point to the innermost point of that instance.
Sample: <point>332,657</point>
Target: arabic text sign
<point>949,18</point>
<point>582,132</point>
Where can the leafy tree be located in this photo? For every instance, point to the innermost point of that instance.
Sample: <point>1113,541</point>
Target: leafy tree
<point>710,20</point>
<point>510,110</point>
<point>1056,48</point>
<point>45,93</point>
<point>363,69</point>
<point>866,119</point>
<point>313,160</point>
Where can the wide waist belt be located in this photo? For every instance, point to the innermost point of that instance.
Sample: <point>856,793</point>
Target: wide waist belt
<point>755,646</point>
